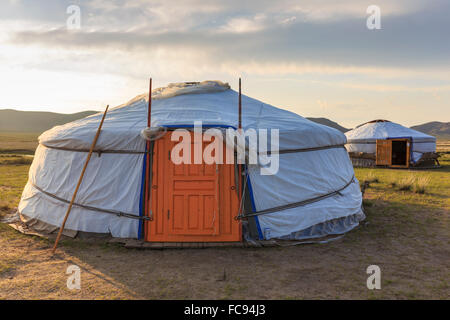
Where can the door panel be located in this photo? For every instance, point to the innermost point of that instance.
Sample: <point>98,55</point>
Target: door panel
<point>194,184</point>
<point>384,153</point>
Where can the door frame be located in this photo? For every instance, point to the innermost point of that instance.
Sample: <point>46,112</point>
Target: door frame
<point>408,148</point>
<point>386,144</point>
<point>157,229</point>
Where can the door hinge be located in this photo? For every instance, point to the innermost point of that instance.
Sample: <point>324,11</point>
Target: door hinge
<point>168,214</point>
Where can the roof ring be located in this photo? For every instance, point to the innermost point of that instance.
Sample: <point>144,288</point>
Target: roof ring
<point>192,87</point>
<point>373,121</point>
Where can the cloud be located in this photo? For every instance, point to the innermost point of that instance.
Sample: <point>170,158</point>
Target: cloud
<point>415,42</point>
<point>244,25</point>
<point>197,14</point>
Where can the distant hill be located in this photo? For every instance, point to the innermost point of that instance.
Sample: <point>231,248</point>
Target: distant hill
<point>35,121</point>
<point>440,130</point>
<point>329,123</point>
<point>39,121</point>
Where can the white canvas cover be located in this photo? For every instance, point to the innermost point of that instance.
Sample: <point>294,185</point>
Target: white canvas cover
<point>113,180</point>
<point>364,137</point>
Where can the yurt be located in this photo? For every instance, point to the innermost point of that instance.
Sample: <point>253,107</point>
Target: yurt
<point>388,144</point>
<point>313,194</point>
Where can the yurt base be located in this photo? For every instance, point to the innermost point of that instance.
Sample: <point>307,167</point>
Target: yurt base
<point>14,221</point>
<point>368,160</point>
<point>139,244</point>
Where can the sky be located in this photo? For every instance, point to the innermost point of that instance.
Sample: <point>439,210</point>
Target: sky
<point>316,58</point>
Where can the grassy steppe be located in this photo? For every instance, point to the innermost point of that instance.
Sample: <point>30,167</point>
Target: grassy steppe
<point>18,142</point>
<point>406,233</point>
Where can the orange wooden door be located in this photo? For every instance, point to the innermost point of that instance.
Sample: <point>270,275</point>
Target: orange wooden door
<point>191,202</point>
<point>384,153</point>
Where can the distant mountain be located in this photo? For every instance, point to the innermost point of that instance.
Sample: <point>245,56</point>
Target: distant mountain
<point>329,123</point>
<point>36,121</point>
<point>440,130</point>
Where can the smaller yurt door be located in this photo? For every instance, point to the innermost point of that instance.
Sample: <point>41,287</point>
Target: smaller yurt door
<point>384,152</point>
<point>191,202</point>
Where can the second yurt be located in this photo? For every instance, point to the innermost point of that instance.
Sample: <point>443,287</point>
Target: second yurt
<point>389,144</point>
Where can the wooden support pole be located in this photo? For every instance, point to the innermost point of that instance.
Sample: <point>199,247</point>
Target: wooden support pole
<point>149,116</point>
<point>240,131</point>
<point>240,105</point>
<point>94,142</point>
<point>147,192</point>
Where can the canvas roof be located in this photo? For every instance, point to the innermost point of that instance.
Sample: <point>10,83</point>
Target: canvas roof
<point>123,124</point>
<point>385,129</point>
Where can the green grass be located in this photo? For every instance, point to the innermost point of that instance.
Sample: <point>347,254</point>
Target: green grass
<point>16,154</point>
<point>18,142</point>
<point>12,180</point>
<point>443,145</point>
<point>411,187</point>
<point>15,159</point>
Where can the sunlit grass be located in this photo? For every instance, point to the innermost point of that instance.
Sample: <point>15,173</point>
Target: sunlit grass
<point>428,187</point>
<point>12,180</point>
<point>369,176</point>
<point>15,159</point>
<point>18,142</point>
<point>406,183</point>
<point>421,184</point>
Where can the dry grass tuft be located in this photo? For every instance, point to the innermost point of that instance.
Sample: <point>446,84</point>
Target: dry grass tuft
<point>416,184</point>
<point>406,183</point>
<point>371,177</point>
<point>421,184</point>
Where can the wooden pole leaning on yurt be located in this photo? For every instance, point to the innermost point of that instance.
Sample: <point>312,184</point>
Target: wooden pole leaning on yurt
<point>94,142</point>
<point>147,192</point>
